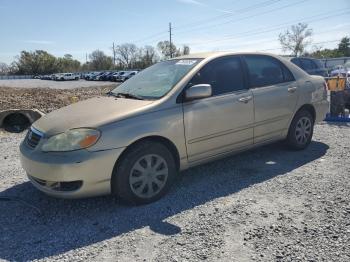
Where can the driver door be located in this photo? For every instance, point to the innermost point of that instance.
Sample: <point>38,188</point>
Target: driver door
<point>223,122</point>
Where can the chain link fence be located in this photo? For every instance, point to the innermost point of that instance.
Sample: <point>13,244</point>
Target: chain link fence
<point>7,77</point>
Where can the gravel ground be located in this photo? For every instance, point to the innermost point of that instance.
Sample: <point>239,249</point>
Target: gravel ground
<point>37,83</point>
<point>269,204</point>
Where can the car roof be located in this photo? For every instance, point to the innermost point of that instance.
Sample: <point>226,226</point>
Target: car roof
<point>219,54</point>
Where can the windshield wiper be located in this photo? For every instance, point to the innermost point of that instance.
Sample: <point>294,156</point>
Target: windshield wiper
<point>128,95</point>
<point>124,95</point>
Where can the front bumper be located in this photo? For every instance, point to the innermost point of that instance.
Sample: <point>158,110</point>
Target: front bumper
<point>74,174</point>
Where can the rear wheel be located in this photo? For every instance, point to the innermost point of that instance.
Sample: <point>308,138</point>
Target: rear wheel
<point>301,130</point>
<point>144,174</point>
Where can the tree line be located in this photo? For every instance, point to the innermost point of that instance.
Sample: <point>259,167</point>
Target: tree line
<point>124,56</point>
<point>298,37</point>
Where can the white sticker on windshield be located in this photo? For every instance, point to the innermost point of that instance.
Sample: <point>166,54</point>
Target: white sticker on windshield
<point>186,62</point>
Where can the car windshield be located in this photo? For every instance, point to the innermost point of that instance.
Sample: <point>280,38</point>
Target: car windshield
<point>157,80</point>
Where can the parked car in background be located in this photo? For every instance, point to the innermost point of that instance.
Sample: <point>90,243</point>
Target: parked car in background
<point>127,75</point>
<point>46,77</point>
<point>310,65</point>
<point>341,70</point>
<point>66,76</point>
<point>91,75</point>
<point>117,76</point>
<point>107,76</point>
<point>96,76</point>
<point>104,77</point>
<point>169,117</point>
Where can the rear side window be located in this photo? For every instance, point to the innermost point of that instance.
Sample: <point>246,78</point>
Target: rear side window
<point>225,75</point>
<point>287,75</point>
<point>296,61</point>
<point>266,71</point>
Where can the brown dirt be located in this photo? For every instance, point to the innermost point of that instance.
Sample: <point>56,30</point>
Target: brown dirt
<point>46,99</point>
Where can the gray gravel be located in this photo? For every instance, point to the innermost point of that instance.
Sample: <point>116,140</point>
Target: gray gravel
<point>270,204</point>
<point>37,83</point>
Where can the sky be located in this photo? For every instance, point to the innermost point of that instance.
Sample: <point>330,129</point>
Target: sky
<point>78,27</point>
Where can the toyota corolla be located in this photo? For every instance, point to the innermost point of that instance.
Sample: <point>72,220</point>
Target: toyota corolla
<point>171,116</point>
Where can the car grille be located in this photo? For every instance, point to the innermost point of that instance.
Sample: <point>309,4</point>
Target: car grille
<point>33,138</point>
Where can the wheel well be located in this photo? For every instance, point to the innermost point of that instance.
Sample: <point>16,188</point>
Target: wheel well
<point>310,109</point>
<point>17,118</point>
<point>166,142</point>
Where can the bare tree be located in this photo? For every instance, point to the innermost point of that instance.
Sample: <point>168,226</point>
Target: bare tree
<point>4,68</point>
<point>185,50</point>
<point>100,61</point>
<point>296,39</point>
<point>166,50</point>
<point>127,54</point>
<point>149,55</point>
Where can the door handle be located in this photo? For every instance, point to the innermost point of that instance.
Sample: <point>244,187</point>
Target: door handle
<point>245,99</point>
<point>292,89</point>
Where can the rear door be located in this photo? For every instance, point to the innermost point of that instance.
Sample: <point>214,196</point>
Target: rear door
<point>223,122</point>
<point>275,93</point>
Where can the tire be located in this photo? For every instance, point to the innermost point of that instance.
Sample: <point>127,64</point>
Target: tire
<point>131,180</point>
<point>301,130</point>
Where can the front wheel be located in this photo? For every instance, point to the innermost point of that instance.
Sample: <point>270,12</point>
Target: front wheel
<point>300,130</point>
<point>144,174</point>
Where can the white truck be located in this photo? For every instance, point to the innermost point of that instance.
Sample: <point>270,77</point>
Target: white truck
<point>66,76</point>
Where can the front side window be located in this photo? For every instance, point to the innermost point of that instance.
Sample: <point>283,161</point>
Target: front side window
<point>266,71</point>
<point>223,74</point>
<point>157,80</point>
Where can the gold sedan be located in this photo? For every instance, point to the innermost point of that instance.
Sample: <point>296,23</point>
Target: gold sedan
<point>171,116</point>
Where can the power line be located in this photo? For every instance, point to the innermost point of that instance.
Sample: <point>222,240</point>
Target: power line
<point>280,26</point>
<point>151,36</point>
<point>267,41</point>
<point>240,11</point>
<point>200,22</point>
<point>244,18</point>
<point>280,48</point>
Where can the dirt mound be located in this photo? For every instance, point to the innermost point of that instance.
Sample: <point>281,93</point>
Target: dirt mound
<point>46,99</point>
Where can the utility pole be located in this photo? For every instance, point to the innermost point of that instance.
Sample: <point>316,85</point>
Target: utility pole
<point>171,43</point>
<point>113,54</point>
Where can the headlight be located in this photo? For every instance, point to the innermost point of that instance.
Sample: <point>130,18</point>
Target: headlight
<point>70,140</point>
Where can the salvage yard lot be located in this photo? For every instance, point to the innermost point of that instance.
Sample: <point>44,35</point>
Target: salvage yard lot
<point>269,204</point>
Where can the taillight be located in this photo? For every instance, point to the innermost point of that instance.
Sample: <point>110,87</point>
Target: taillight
<point>325,89</point>
<point>325,86</point>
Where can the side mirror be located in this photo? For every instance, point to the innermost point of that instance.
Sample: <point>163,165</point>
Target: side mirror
<point>198,92</point>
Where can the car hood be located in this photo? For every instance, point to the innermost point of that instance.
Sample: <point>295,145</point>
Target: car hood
<point>89,113</point>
